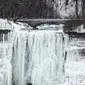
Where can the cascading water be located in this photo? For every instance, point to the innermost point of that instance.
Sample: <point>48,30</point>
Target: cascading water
<point>37,57</point>
<point>46,56</point>
<point>5,65</point>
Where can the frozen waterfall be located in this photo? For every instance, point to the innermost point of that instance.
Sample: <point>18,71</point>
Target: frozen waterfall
<point>5,65</point>
<point>37,57</point>
<point>46,56</point>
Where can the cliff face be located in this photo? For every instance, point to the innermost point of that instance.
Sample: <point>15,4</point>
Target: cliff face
<point>42,8</point>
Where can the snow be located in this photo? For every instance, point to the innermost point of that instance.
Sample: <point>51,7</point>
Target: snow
<point>51,27</point>
<point>5,25</point>
<point>10,25</point>
<point>20,26</point>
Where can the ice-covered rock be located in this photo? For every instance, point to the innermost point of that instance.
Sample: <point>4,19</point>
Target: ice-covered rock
<point>51,27</point>
<point>20,26</point>
<point>13,26</point>
<point>75,60</point>
<point>5,25</point>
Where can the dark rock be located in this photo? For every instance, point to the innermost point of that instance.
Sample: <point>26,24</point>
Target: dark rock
<point>29,84</point>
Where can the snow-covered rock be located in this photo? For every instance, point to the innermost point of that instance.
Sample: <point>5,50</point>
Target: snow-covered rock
<point>5,25</point>
<point>20,26</point>
<point>51,27</point>
<point>13,26</point>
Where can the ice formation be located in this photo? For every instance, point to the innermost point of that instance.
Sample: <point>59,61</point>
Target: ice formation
<point>42,57</point>
<point>5,66</point>
<point>37,57</point>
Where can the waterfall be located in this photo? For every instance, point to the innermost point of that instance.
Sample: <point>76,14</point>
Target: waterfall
<point>5,65</point>
<point>37,57</point>
<point>46,56</point>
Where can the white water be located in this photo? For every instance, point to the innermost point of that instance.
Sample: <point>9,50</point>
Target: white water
<point>37,57</point>
<point>75,63</point>
<point>5,66</point>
